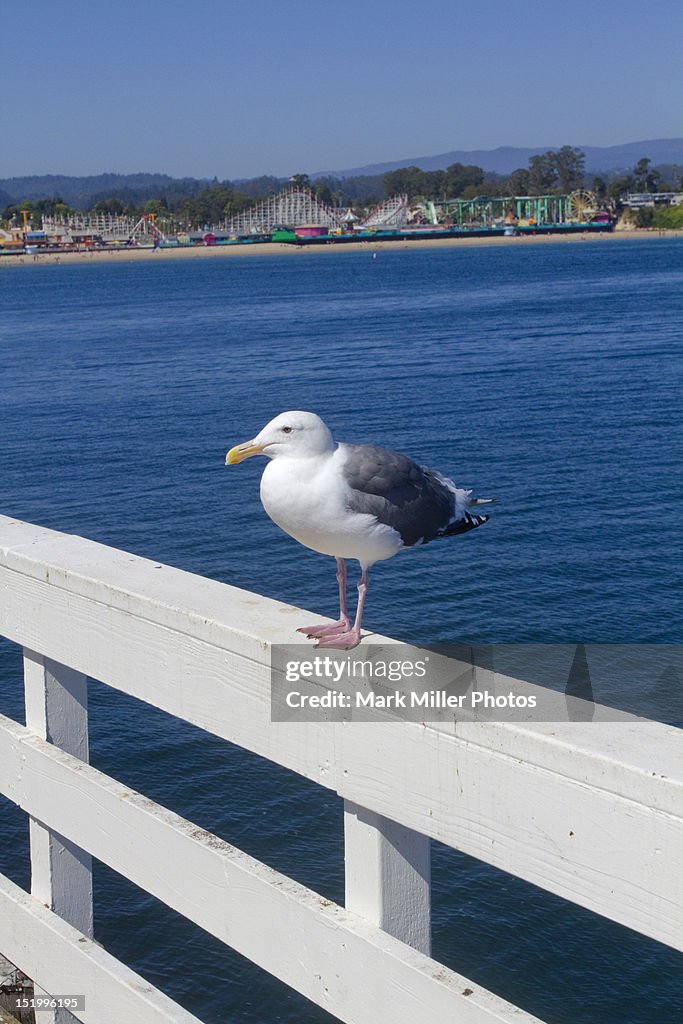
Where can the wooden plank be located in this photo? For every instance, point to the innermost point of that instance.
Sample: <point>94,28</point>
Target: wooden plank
<point>615,856</point>
<point>339,961</point>
<point>638,760</point>
<point>66,962</point>
<point>192,668</point>
<point>179,600</point>
<point>388,876</point>
<point>242,627</point>
<point>511,794</point>
<point>61,873</point>
<point>236,621</point>
<point>57,710</point>
<point>169,667</point>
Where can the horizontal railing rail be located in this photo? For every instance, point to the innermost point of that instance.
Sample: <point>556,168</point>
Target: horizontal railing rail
<point>592,813</point>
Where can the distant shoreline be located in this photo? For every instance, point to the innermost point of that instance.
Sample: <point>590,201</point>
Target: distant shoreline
<point>279,248</point>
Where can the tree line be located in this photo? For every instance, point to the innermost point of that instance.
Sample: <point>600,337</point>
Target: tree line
<point>188,204</point>
<point>212,204</point>
<point>555,172</point>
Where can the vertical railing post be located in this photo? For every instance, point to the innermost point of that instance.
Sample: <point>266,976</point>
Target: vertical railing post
<point>388,875</point>
<point>61,873</point>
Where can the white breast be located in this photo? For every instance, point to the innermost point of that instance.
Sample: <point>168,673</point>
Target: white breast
<point>308,499</point>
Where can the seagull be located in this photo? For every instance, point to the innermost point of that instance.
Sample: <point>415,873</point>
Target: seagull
<point>351,501</point>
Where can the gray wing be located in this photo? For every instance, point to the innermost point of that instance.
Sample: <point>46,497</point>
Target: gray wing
<point>413,500</point>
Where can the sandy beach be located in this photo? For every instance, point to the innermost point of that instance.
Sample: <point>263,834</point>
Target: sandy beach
<point>280,248</point>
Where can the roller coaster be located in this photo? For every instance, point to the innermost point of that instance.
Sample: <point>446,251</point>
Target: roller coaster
<point>294,208</point>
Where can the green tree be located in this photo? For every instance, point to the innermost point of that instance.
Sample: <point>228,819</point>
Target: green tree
<point>185,212</point>
<point>646,178</point>
<point>408,180</point>
<point>570,166</point>
<point>519,183</point>
<point>483,188</point>
<point>599,186</point>
<point>237,204</point>
<point>11,214</point>
<point>462,176</point>
<point>618,187</point>
<point>49,207</point>
<point>156,206</point>
<point>36,209</point>
<point>62,211</point>
<point>644,217</point>
<point>323,194</point>
<point>542,174</point>
<point>434,185</point>
<point>300,181</point>
<point>15,217</point>
<point>114,207</point>
<point>210,204</point>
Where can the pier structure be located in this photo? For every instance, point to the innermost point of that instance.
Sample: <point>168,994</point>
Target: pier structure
<point>589,811</point>
<point>290,208</point>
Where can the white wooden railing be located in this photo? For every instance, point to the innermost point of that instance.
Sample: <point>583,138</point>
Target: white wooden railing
<point>592,813</point>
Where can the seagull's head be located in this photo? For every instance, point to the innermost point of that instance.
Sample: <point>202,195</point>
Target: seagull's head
<point>295,434</point>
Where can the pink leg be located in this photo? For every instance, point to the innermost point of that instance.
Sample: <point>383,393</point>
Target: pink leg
<point>350,637</point>
<point>329,629</point>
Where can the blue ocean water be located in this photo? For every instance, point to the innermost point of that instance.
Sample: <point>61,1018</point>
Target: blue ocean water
<point>548,375</point>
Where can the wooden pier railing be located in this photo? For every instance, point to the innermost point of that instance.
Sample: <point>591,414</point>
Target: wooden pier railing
<point>590,812</point>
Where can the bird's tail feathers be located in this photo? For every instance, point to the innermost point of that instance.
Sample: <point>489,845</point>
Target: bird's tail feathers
<point>468,522</point>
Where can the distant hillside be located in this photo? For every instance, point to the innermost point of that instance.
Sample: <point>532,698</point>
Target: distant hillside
<point>355,184</point>
<point>83,192</point>
<point>136,189</point>
<point>505,159</point>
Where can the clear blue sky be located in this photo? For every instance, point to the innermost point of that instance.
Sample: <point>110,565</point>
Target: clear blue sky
<point>236,89</point>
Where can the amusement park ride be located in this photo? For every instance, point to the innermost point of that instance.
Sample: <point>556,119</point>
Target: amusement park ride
<point>295,215</point>
<point>297,208</point>
<point>577,207</point>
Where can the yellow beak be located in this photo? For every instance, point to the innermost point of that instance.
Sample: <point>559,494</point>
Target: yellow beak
<point>243,451</point>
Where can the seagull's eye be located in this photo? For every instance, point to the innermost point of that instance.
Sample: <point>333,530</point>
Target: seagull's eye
<point>287,430</point>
